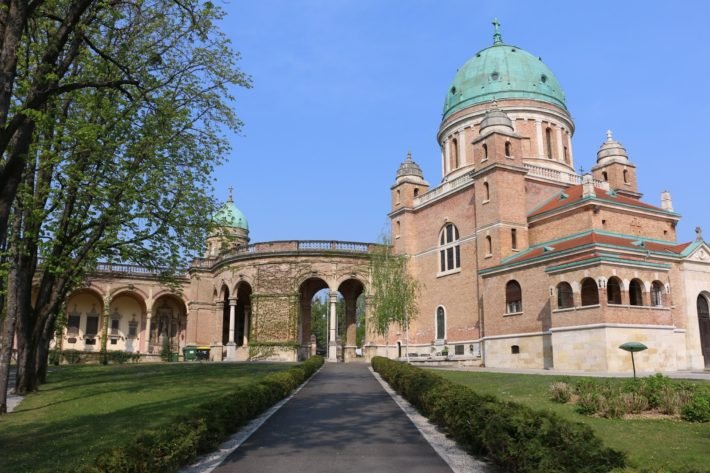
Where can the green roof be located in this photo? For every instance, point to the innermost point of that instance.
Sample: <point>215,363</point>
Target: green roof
<point>502,71</point>
<point>230,216</point>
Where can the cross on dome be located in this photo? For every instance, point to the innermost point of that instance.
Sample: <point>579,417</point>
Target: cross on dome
<point>497,38</point>
<point>229,196</point>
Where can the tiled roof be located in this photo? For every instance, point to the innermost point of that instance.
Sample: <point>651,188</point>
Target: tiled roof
<point>574,194</point>
<point>596,240</point>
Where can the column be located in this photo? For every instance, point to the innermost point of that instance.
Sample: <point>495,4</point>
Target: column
<point>463,146</point>
<point>231,346</point>
<point>247,310</point>
<point>332,344</point>
<point>569,149</point>
<point>560,146</point>
<point>146,342</point>
<point>538,133</point>
<point>232,318</point>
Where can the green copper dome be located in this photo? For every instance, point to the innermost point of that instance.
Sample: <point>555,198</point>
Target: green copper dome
<point>502,71</point>
<point>230,216</point>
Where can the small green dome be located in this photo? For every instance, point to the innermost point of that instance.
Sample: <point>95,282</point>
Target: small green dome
<point>502,71</point>
<point>230,216</point>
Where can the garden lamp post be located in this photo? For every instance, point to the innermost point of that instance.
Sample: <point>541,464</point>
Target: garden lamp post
<point>633,347</point>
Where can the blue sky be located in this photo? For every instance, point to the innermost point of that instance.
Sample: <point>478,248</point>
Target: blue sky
<point>343,88</point>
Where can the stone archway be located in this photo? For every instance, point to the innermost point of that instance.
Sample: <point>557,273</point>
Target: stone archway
<point>169,326</point>
<point>350,289</point>
<point>306,291</point>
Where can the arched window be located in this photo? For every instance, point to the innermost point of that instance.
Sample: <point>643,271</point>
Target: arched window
<point>590,292</point>
<point>566,155</point>
<point>454,150</point>
<point>440,323</point>
<point>513,297</point>
<point>548,141</point>
<point>489,245</point>
<point>485,152</point>
<point>635,292</point>
<point>703,309</point>
<point>398,228</point>
<point>508,149</point>
<point>416,192</point>
<point>657,288</point>
<point>449,250</point>
<point>565,299</point>
<point>486,192</point>
<point>613,290</point>
<point>626,176</point>
<point>398,197</point>
<point>605,176</point>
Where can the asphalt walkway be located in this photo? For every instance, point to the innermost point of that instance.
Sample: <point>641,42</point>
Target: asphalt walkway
<point>342,421</point>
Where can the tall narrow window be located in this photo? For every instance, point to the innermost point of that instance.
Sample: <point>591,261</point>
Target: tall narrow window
<point>513,297</point>
<point>657,293</point>
<point>703,308</point>
<point>115,324</point>
<point>566,152</point>
<point>565,298</point>
<point>635,292</point>
<point>92,326</point>
<point>489,246</point>
<point>548,142</point>
<point>440,323</point>
<point>514,239</point>
<point>605,176</point>
<point>508,149</point>
<point>416,192</point>
<point>626,176</point>
<point>485,152</point>
<point>449,252</point>
<point>398,197</point>
<point>613,290</point>
<point>454,150</point>
<point>398,228</point>
<point>590,292</point>
<point>486,192</point>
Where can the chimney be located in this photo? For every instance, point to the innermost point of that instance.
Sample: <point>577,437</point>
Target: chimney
<point>588,186</point>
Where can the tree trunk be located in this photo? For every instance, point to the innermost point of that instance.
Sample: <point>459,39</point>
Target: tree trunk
<point>8,338</point>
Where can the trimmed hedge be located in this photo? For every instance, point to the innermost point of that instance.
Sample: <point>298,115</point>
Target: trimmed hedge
<point>202,429</point>
<point>512,436</point>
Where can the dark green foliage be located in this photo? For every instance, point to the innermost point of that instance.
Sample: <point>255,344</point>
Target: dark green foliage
<point>698,409</point>
<point>513,436</point>
<point>77,356</point>
<point>204,428</point>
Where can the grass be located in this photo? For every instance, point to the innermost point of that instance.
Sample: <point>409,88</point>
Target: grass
<point>654,445</point>
<point>85,409</point>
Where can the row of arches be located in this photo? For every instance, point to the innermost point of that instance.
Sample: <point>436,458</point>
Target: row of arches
<point>634,293</point>
<point>133,322</point>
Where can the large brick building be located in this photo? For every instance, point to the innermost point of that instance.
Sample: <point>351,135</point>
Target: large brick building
<point>530,264</point>
<point>522,261</point>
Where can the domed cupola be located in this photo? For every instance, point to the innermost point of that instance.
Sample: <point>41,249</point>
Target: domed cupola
<point>410,171</point>
<point>502,71</point>
<point>614,167</point>
<point>496,120</point>
<point>505,89</point>
<point>230,229</point>
<point>611,151</point>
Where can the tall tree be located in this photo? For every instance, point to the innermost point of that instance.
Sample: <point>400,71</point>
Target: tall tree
<point>394,291</point>
<point>119,173</point>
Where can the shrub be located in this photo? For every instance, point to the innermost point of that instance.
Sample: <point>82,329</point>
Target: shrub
<point>698,409</point>
<point>516,438</point>
<point>634,403</point>
<point>560,392</point>
<point>202,429</point>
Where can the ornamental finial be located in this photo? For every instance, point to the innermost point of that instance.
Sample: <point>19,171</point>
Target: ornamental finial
<point>608,136</point>
<point>229,197</point>
<point>409,155</point>
<point>497,39</point>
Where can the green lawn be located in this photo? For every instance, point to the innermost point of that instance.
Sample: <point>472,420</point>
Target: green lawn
<point>652,445</point>
<point>86,409</point>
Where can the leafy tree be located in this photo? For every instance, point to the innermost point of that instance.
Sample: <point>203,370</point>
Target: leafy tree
<point>119,173</point>
<point>394,291</point>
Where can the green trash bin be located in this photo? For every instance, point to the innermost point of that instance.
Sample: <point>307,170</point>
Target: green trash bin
<point>189,353</point>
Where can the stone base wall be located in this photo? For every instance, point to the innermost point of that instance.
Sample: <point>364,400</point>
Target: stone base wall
<point>597,349</point>
<point>500,352</point>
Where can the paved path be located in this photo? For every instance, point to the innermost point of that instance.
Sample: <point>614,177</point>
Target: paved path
<point>342,421</point>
